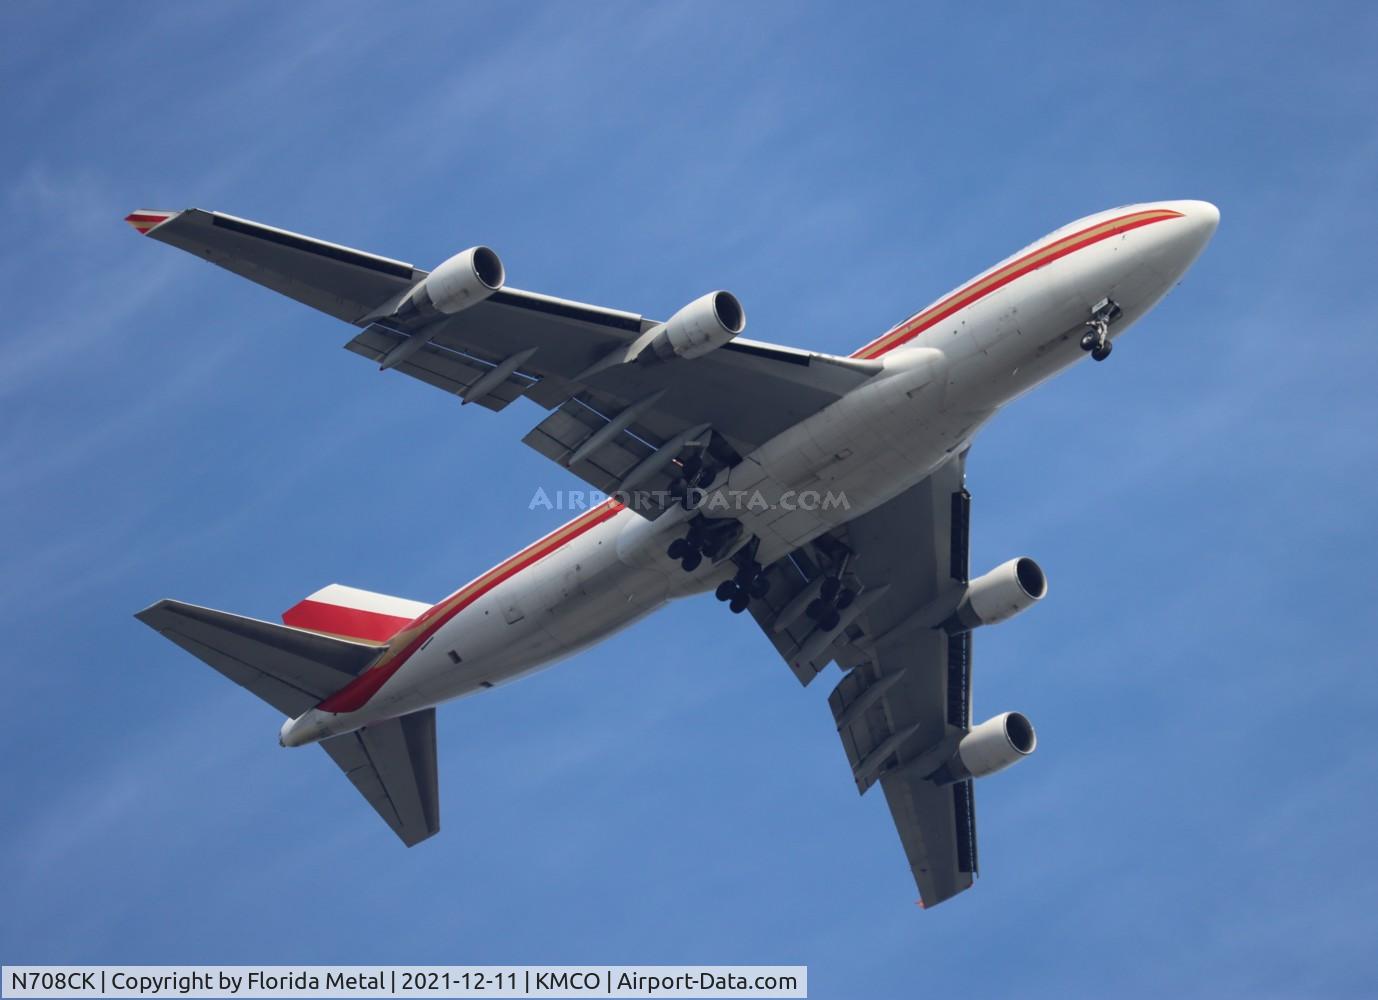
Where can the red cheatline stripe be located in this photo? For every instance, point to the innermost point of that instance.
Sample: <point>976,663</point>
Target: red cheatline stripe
<point>981,287</point>
<point>373,626</point>
<point>356,694</point>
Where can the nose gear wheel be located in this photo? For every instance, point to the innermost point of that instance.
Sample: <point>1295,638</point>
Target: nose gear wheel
<point>1096,339</point>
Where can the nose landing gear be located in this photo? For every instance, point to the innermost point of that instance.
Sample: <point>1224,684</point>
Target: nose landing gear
<point>1096,339</point>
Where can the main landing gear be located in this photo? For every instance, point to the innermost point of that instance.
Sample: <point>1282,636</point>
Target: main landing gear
<point>704,538</point>
<point>713,539</point>
<point>749,582</point>
<point>1096,339</point>
<point>696,472</point>
<point>833,599</point>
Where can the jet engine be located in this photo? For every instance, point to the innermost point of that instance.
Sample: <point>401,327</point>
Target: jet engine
<point>999,595</point>
<point>464,279</point>
<point>992,746</point>
<point>702,326</point>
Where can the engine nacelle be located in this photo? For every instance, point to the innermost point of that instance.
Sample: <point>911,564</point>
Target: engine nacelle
<point>992,746</point>
<point>460,282</point>
<point>700,327</point>
<point>999,595</point>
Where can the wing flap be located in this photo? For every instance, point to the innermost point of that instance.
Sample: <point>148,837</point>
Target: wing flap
<point>393,764</point>
<point>441,367</point>
<point>559,435</point>
<point>780,614</point>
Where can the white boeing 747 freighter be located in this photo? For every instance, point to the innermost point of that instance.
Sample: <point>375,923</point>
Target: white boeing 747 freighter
<point>823,494</point>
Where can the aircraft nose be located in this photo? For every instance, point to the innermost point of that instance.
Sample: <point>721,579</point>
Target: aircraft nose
<point>1200,220</point>
<point>1204,218</point>
<point>1183,239</point>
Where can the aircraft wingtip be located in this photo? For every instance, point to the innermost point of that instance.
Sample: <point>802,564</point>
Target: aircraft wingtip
<point>146,220</point>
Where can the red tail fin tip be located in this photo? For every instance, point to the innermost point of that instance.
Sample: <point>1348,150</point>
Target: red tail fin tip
<point>350,613</point>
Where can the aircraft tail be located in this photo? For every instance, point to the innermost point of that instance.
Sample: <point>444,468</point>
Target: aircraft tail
<point>391,762</point>
<point>349,613</point>
<point>291,670</point>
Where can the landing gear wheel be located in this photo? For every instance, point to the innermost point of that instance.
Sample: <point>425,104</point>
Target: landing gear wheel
<point>691,561</point>
<point>738,604</point>
<point>844,599</point>
<point>830,620</point>
<point>678,549</point>
<point>1088,341</point>
<point>817,609</point>
<point>726,590</point>
<point>1101,353</point>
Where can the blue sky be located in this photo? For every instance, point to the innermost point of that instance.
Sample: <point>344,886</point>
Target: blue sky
<point>1198,819</point>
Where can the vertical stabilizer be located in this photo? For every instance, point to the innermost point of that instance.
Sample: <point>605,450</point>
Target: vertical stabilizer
<point>349,613</point>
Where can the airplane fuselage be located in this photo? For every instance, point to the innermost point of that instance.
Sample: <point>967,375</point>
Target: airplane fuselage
<point>941,375</point>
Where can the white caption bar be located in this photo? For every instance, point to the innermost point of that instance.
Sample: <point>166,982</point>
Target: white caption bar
<point>283,981</point>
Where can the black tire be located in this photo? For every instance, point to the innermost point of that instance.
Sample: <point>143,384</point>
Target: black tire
<point>830,588</point>
<point>726,590</point>
<point>1101,353</point>
<point>817,609</point>
<point>678,548</point>
<point>738,604</point>
<point>845,597</point>
<point>691,561</point>
<point>1088,341</point>
<point>760,586</point>
<point>830,621</point>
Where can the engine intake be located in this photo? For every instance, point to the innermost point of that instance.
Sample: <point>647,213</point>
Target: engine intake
<point>992,746</point>
<point>460,282</point>
<point>999,595</point>
<point>700,327</point>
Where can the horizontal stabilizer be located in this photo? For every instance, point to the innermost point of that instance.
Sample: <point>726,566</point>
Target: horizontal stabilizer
<point>350,613</point>
<point>290,669</point>
<point>393,764</point>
